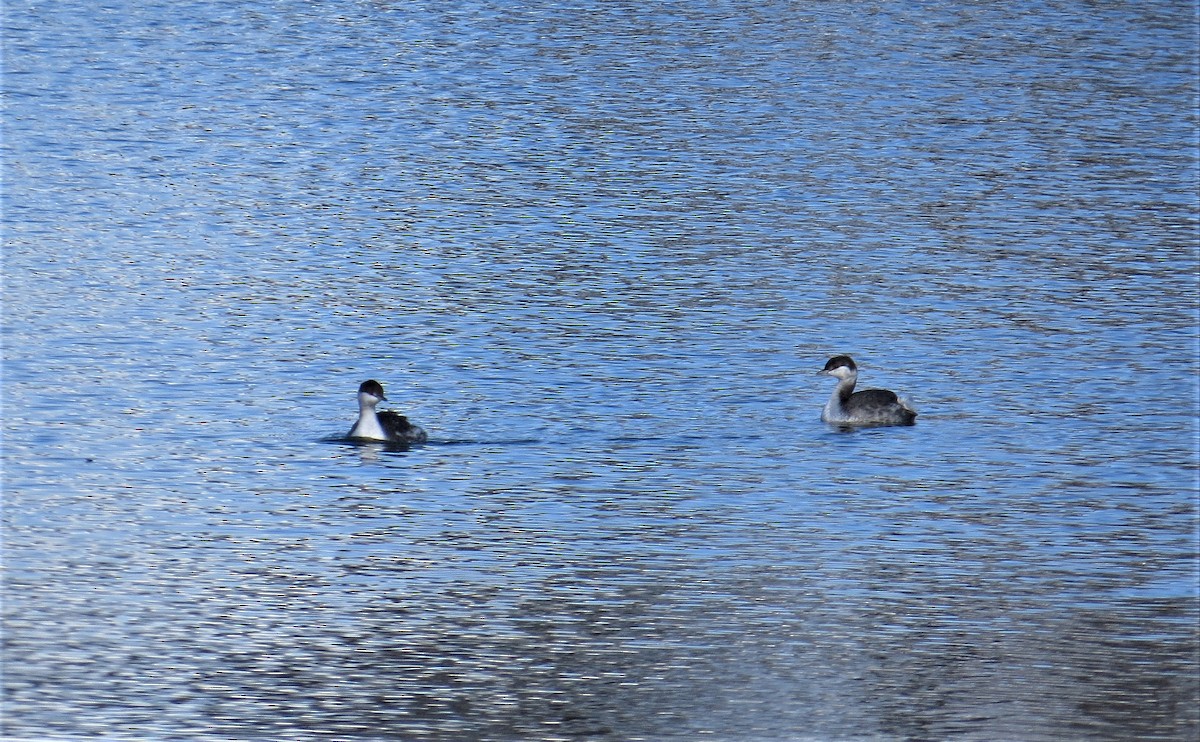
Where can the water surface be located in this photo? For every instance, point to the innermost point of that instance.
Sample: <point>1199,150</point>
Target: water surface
<point>599,252</point>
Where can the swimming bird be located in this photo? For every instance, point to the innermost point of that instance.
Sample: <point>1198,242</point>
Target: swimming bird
<point>382,426</point>
<point>868,407</point>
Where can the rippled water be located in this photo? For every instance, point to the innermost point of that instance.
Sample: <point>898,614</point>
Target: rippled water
<point>599,250</point>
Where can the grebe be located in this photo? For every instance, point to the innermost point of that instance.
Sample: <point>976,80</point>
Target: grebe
<point>382,426</point>
<point>868,407</point>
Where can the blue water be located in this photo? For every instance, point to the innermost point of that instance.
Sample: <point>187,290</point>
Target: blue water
<point>599,251</point>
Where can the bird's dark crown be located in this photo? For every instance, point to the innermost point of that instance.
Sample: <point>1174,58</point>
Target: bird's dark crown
<point>372,387</point>
<point>839,361</point>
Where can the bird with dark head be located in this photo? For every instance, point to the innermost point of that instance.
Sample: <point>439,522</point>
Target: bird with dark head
<point>385,425</point>
<point>868,407</point>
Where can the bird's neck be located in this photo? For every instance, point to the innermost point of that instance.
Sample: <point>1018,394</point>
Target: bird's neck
<point>845,388</point>
<point>367,425</point>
